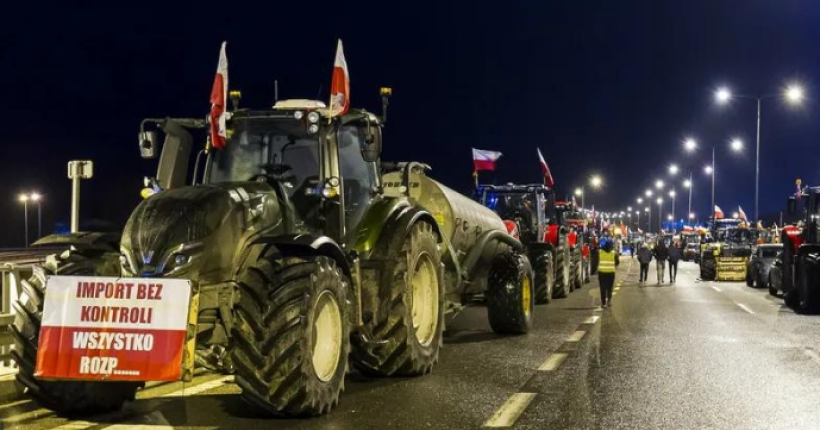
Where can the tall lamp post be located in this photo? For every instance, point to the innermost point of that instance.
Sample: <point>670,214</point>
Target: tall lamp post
<point>660,214</point>
<point>672,194</point>
<point>25,198</point>
<point>793,94</point>
<point>688,184</point>
<point>736,145</point>
<point>37,198</point>
<point>595,182</point>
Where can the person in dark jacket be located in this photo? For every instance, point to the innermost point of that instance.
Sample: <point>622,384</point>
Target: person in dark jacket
<point>675,255</point>
<point>661,254</point>
<point>644,258</point>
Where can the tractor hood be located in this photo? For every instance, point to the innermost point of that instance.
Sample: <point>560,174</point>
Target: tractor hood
<point>186,231</point>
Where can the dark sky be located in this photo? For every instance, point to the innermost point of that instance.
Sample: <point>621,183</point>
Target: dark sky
<point>601,87</point>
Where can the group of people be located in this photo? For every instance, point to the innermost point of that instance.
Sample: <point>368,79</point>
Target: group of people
<point>662,254</point>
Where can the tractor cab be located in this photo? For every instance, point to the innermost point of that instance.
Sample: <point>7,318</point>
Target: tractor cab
<point>529,207</point>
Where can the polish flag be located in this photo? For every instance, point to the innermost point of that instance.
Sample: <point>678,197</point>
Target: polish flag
<point>718,212</point>
<point>219,100</point>
<point>546,170</point>
<point>484,160</point>
<point>741,214</point>
<point>340,85</point>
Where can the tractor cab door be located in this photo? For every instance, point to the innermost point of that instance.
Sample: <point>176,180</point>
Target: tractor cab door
<point>359,178</point>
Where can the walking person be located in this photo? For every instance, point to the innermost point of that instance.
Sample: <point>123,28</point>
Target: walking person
<point>644,258</point>
<point>661,254</point>
<point>607,262</point>
<point>675,255</point>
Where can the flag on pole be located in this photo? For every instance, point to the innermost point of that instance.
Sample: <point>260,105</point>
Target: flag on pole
<point>219,101</point>
<point>484,160</point>
<point>718,212</point>
<point>340,85</point>
<point>545,170</point>
<point>741,214</point>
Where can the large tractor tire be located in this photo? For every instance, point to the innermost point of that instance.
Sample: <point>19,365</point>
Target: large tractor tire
<point>72,398</point>
<point>510,299</point>
<point>708,269</point>
<point>407,332</point>
<point>291,334</point>
<point>544,271</point>
<point>587,270</point>
<point>770,285</point>
<point>563,273</point>
<point>805,297</point>
<point>577,270</point>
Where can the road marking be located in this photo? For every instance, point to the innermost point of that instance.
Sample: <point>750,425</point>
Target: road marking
<point>83,425</point>
<point>577,336</point>
<point>715,288</point>
<point>592,320</point>
<point>553,362</point>
<point>745,308</point>
<point>509,412</point>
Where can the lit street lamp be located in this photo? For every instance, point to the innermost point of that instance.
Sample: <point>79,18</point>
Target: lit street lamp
<point>648,211</point>
<point>690,145</point>
<point>672,194</point>
<point>595,182</point>
<point>659,184</point>
<point>688,184</point>
<point>36,198</point>
<point>673,170</point>
<point>793,94</point>
<point>660,214</point>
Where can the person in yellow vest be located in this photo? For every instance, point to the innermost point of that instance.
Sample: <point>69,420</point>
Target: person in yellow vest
<point>607,262</point>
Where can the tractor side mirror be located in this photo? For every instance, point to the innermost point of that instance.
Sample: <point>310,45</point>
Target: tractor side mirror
<point>792,206</point>
<point>148,144</point>
<point>372,144</point>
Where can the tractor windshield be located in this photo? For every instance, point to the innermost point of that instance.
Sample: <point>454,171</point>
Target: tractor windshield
<point>515,205</point>
<point>277,147</point>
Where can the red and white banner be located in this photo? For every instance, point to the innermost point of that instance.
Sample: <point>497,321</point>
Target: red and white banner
<point>741,214</point>
<point>484,160</point>
<point>545,170</point>
<point>219,102</point>
<point>340,84</point>
<point>113,329</point>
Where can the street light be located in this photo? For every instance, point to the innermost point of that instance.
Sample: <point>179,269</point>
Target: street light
<point>648,211</point>
<point>595,182</point>
<point>690,144</point>
<point>659,184</point>
<point>672,194</point>
<point>24,198</point>
<point>660,214</point>
<point>648,193</point>
<point>793,94</point>
<point>688,184</point>
<point>673,169</point>
<point>736,145</point>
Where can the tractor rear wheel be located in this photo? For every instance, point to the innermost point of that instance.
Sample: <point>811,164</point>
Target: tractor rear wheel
<point>510,300</point>
<point>291,335</point>
<point>708,269</point>
<point>407,335</point>
<point>65,397</point>
<point>563,274</point>
<point>544,277</point>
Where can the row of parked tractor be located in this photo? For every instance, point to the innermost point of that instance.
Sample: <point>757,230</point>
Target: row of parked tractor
<point>306,255</point>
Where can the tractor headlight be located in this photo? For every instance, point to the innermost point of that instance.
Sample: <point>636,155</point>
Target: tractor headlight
<point>313,128</point>
<point>298,114</point>
<point>313,117</point>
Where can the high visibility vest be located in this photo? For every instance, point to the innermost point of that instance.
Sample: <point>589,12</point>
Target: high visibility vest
<point>606,263</point>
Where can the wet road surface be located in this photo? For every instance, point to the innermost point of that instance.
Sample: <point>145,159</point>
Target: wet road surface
<point>690,355</point>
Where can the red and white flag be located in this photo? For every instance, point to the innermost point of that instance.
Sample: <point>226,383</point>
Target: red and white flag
<point>219,101</point>
<point>546,170</point>
<point>484,160</point>
<point>718,212</point>
<point>340,85</point>
<point>741,214</point>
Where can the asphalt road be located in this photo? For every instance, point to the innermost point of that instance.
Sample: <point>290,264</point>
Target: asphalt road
<point>691,355</point>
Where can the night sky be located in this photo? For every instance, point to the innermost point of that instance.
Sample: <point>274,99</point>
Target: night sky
<point>601,87</point>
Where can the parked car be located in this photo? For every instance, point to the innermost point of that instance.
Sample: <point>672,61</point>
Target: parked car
<point>757,270</point>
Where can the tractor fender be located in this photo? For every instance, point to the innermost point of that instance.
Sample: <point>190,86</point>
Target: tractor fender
<point>97,241</point>
<point>307,244</point>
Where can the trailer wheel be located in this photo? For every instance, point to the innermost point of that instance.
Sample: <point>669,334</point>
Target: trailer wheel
<point>65,397</point>
<point>544,277</point>
<point>562,273</point>
<point>510,300</point>
<point>291,335</point>
<point>409,333</point>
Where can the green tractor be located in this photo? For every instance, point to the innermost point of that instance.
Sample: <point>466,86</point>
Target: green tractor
<point>724,254</point>
<point>304,254</point>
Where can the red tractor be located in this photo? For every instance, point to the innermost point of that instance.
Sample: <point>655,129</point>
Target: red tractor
<point>801,254</point>
<point>570,216</point>
<point>530,214</point>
